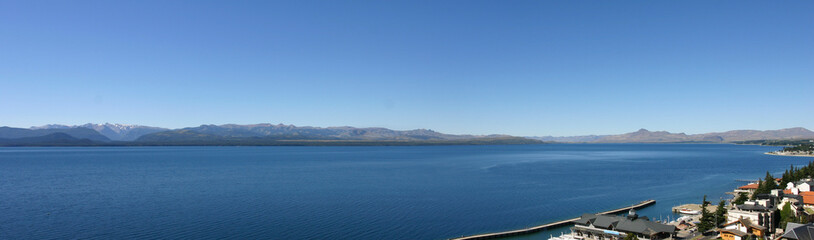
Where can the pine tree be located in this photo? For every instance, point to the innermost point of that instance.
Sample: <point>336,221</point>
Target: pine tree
<point>760,187</point>
<point>770,183</point>
<point>720,213</point>
<point>784,179</point>
<point>742,197</point>
<point>706,218</point>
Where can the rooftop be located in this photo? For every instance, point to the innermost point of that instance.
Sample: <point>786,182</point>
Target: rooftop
<point>801,182</point>
<point>799,231</point>
<point>733,231</point>
<point>746,223</point>
<point>752,207</point>
<point>807,197</point>
<point>633,224</point>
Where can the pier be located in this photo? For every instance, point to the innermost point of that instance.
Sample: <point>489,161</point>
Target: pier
<point>549,225</point>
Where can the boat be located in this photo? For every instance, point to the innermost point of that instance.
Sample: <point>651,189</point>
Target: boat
<point>688,211</point>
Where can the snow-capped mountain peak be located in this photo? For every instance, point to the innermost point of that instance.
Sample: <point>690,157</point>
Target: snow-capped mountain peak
<point>114,131</point>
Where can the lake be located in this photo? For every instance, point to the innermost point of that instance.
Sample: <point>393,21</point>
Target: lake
<point>413,192</point>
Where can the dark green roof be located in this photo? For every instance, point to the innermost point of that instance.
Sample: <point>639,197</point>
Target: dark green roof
<point>640,225</point>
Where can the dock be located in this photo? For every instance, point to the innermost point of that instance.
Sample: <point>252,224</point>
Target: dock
<point>549,225</point>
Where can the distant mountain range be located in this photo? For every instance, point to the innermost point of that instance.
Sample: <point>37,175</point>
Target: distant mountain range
<point>8,133</point>
<point>232,134</point>
<point>115,132</point>
<point>52,139</point>
<point>264,134</point>
<point>645,136</point>
<point>270,134</point>
<point>281,131</point>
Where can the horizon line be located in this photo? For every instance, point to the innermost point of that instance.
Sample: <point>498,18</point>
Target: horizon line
<point>395,129</point>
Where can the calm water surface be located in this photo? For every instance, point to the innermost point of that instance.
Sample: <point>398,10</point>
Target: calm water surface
<point>433,192</point>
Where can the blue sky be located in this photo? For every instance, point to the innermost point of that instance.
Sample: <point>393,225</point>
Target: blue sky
<point>480,67</point>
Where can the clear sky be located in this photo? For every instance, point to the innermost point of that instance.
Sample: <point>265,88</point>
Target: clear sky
<point>514,67</point>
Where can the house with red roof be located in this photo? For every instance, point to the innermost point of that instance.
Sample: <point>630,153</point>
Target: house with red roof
<point>749,188</point>
<point>808,198</point>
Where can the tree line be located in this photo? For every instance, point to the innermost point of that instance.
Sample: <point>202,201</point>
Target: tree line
<point>796,174</point>
<point>800,148</point>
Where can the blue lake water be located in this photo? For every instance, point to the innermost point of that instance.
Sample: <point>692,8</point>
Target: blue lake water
<point>426,192</point>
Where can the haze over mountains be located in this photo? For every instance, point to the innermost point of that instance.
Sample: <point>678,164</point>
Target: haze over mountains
<point>269,134</point>
<point>645,136</point>
<point>78,133</point>
<point>233,134</point>
<point>280,134</point>
<point>115,132</point>
<point>281,131</point>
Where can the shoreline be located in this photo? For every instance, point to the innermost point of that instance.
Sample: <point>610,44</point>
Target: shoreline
<point>789,155</point>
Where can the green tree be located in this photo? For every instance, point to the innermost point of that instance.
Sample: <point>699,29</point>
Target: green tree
<point>759,189</point>
<point>720,213</point>
<point>784,179</point>
<point>786,215</point>
<point>742,197</point>
<point>706,217</point>
<point>631,236</point>
<point>769,183</point>
<point>765,186</point>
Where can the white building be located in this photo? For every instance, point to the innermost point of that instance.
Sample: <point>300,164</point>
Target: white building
<point>760,213</point>
<point>800,186</point>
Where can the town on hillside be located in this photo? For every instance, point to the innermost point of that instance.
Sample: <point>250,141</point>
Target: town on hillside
<point>766,209</point>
